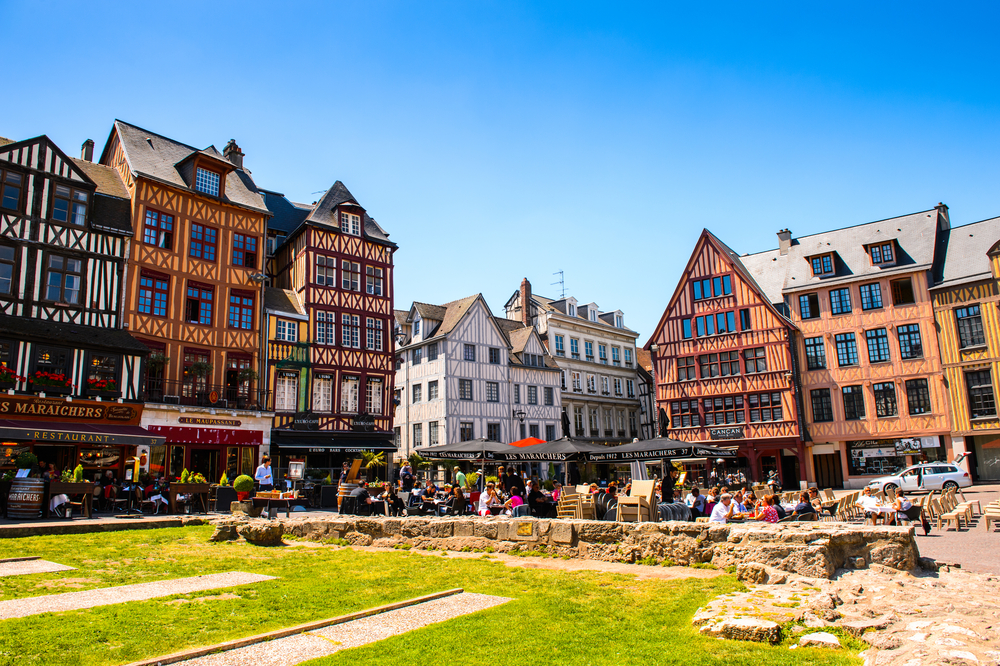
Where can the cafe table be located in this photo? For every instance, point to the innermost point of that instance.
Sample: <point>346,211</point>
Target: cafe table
<point>85,489</point>
<point>198,492</point>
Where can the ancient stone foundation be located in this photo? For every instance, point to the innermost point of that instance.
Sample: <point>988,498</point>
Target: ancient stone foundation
<point>805,549</point>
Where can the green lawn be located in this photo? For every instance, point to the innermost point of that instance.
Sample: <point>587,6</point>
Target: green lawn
<point>568,619</point>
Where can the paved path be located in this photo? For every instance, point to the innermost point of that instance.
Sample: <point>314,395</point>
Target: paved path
<point>24,567</point>
<point>972,547</point>
<point>106,596</point>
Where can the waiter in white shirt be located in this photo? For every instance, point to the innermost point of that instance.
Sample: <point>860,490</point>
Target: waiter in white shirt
<point>263,476</point>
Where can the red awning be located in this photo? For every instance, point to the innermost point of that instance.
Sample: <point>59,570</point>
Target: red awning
<point>222,436</point>
<point>78,433</point>
<point>527,441</point>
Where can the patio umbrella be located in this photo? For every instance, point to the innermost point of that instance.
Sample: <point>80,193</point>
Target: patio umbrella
<point>558,450</point>
<point>527,441</point>
<point>473,449</point>
<point>659,448</point>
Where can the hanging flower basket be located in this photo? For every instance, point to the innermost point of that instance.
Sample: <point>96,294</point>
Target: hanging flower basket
<point>106,388</point>
<point>56,383</point>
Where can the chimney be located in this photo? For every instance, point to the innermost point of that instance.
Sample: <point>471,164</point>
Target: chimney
<point>233,153</point>
<point>944,222</point>
<point>784,241</point>
<point>87,150</point>
<point>525,302</point>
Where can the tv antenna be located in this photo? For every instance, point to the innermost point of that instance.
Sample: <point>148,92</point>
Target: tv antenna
<point>562,283</point>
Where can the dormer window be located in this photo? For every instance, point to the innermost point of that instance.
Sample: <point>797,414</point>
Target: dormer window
<point>822,265</point>
<point>619,321</point>
<point>571,309</point>
<point>207,182</point>
<point>592,313</point>
<point>350,224</point>
<point>882,254</point>
<point>416,329</point>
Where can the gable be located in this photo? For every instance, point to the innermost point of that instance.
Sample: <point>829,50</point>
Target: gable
<point>477,325</point>
<point>42,154</point>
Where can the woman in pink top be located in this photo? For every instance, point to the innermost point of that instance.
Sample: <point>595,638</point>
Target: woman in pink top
<point>556,491</point>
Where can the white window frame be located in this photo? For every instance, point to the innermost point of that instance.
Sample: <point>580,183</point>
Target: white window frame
<point>350,385</point>
<point>322,399</point>
<point>286,331</point>
<point>618,386</point>
<point>207,182</point>
<point>350,332</point>
<point>350,223</point>
<point>374,395</point>
<point>286,392</point>
<point>577,382</point>
<point>326,328</point>
<point>374,335</point>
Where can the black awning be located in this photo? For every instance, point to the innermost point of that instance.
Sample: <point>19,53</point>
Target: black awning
<point>330,442</point>
<point>659,448</point>
<point>79,433</point>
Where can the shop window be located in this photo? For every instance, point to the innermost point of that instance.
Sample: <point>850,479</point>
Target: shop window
<point>349,387</point>
<point>322,393</point>
<point>52,360</point>
<point>101,459</point>
<point>158,462</point>
<point>176,461</point>
<point>249,465</point>
<point>373,396</point>
<point>286,392</point>
<point>864,459</point>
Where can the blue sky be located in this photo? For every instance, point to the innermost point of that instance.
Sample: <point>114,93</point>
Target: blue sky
<point>496,141</point>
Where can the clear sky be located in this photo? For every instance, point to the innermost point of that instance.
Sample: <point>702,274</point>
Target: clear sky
<point>502,140</point>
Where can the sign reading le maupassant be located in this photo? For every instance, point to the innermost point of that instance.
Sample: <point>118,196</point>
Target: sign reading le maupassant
<point>194,420</point>
<point>32,408</point>
<point>726,433</point>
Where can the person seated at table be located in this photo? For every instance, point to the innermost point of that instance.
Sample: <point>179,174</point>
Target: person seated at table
<point>612,492</point>
<point>816,501</point>
<point>628,489</point>
<point>594,489</point>
<point>488,498</point>
<point>900,506</point>
<point>556,491</point>
<point>870,504</point>
<point>455,504</point>
<point>159,493</point>
<point>749,498</point>
<point>804,506</point>
<point>537,500</point>
<point>723,510</point>
<point>428,506</point>
<point>515,501</point>
<point>362,499</point>
<point>741,508</point>
<point>392,501</point>
<point>776,503</point>
<point>766,510</point>
<point>696,502</point>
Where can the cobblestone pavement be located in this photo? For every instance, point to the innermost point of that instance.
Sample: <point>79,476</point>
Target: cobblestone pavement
<point>973,547</point>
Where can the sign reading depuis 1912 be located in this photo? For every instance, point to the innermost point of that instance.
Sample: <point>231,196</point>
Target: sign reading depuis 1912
<point>57,409</point>
<point>726,433</point>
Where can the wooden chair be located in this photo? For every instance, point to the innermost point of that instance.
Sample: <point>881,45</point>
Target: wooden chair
<point>828,494</point>
<point>990,517</point>
<point>890,494</point>
<point>947,516</point>
<point>949,503</point>
<point>569,505</point>
<point>701,519</point>
<point>639,504</point>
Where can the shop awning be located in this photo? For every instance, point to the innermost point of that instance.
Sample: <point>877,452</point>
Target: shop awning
<point>659,448</point>
<point>326,442</point>
<point>72,434</point>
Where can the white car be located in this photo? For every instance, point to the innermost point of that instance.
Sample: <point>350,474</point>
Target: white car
<point>926,476</point>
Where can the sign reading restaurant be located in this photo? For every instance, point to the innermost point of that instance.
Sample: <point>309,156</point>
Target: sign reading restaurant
<point>78,411</point>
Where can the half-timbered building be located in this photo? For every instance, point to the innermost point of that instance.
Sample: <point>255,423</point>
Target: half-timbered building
<point>65,362</point>
<point>722,360</point>
<point>192,294</point>
<point>333,375</point>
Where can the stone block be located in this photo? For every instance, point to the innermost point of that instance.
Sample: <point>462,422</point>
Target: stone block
<point>224,532</point>
<point>820,639</point>
<point>486,530</point>
<point>859,627</point>
<point>261,532</point>
<point>562,533</point>
<point>440,529</point>
<point>464,528</point>
<point>751,629</point>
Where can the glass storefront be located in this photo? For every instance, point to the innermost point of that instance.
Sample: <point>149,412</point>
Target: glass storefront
<point>879,457</point>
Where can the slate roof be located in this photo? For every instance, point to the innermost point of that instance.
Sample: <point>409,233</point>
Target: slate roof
<point>965,253</point>
<point>644,359</point>
<point>112,209</point>
<point>448,314</point>
<point>560,306</point>
<point>80,336</point>
<point>400,316</point>
<point>283,301</point>
<point>289,216</point>
<point>108,181</point>
<point>156,156</point>
<point>428,311</point>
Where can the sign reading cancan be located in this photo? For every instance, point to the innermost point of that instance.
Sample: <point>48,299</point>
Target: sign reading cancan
<point>726,433</point>
<point>33,408</point>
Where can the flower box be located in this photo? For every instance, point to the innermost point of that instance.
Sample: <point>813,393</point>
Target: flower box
<point>52,390</point>
<point>7,385</point>
<point>104,394</point>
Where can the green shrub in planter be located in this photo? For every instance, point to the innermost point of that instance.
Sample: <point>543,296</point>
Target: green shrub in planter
<point>243,484</point>
<point>185,476</point>
<point>26,460</point>
<point>78,474</point>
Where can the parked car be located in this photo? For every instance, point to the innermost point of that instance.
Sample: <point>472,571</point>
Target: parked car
<point>925,476</point>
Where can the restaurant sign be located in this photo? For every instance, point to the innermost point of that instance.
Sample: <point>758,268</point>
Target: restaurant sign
<point>735,432</point>
<point>363,423</point>
<point>305,421</point>
<point>193,420</point>
<point>33,408</point>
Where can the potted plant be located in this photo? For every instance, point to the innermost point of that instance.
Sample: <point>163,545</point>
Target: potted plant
<point>247,375</point>
<point>103,387</point>
<point>371,460</point>
<point>157,360</point>
<point>243,485</point>
<point>52,382</point>
<point>199,369</point>
<point>9,378</point>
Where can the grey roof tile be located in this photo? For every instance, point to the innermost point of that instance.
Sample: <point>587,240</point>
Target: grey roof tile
<point>283,300</point>
<point>965,252</point>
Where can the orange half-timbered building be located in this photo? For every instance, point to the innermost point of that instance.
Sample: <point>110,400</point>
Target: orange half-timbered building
<point>724,369</point>
<point>193,296</point>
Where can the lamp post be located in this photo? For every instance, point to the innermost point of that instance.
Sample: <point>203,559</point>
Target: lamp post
<point>518,414</point>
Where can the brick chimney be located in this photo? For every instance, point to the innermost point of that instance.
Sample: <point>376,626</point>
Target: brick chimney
<point>87,150</point>
<point>944,221</point>
<point>233,153</point>
<point>525,302</point>
<point>784,241</point>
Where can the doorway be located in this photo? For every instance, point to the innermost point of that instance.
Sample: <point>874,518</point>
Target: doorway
<point>987,459</point>
<point>205,461</point>
<point>790,474</point>
<point>829,473</point>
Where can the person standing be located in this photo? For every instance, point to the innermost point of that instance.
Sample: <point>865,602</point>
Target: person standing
<point>459,477</point>
<point>263,477</point>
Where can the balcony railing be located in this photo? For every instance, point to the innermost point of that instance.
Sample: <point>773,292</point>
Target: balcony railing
<point>203,394</point>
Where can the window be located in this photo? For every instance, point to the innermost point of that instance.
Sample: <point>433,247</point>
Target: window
<point>981,401</point>
<point>902,292</point>
<point>517,394</point>
<point>374,280</point>
<point>619,321</point>
<point>326,271</point>
<point>374,329</point>
<point>63,279</point>
<point>809,306</point>
<point>918,396</point>
<point>847,349</point>
<point>244,251</point>
<point>494,356</point>
<point>534,360</point>
<point>722,364</point>
<point>418,355</point>
<point>493,432</point>
<point>11,195</point>
<point>550,433</point>
<point>549,396</point>
<point>286,392</point>
<point>571,309</point>
<point>764,407</point>
<point>878,345</point>
<point>418,434</point>
<point>609,426</point>
<point>605,386</point>
<point>591,384</point>
<point>158,230</point>
<point>432,433</point>
<point>630,386</point>
<point>618,386</point>
<point>628,358</point>
<point>326,328</point>
<point>910,345</point>
<point>373,396</point>
<point>593,423</point>
<point>684,414</point>
<point>532,395</point>
<point>577,385</point>
<point>821,405</point>
<point>562,377</point>
<point>207,181</point>
<point>102,371</point>
<point>493,392</point>
<point>574,347</point>
<point>686,328</point>
<point>593,313</point>
<point>153,291</point>
<point>589,349</point>
<point>69,205</point>
<point>745,324</point>
<point>702,289</point>
<point>416,393</point>
<point>686,369</point>
<point>203,242</point>
<point>432,390</point>
<point>199,304</point>
<point>350,330</point>
<point>602,353</point>
<point>885,399</point>
<point>469,352</point>
<point>322,393</point>
<point>349,394</point>
<point>432,352</point>
<point>723,409</point>
<point>840,301</point>
<point>241,310</point>
<point>755,360</point>
<point>350,280</point>
<point>881,254</point>
<point>970,327</point>
<point>465,389</point>
<point>416,329</point>
<point>854,403</point>
<point>822,265</point>
<point>871,296</point>
<point>815,354</point>
<point>465,432</point>
<point>7,258</point>
<point>350,223</point>
<point>560,348</point>
<point>578,422</point>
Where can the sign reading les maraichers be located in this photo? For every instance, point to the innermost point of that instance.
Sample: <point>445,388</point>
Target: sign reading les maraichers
<point>33,408</point>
